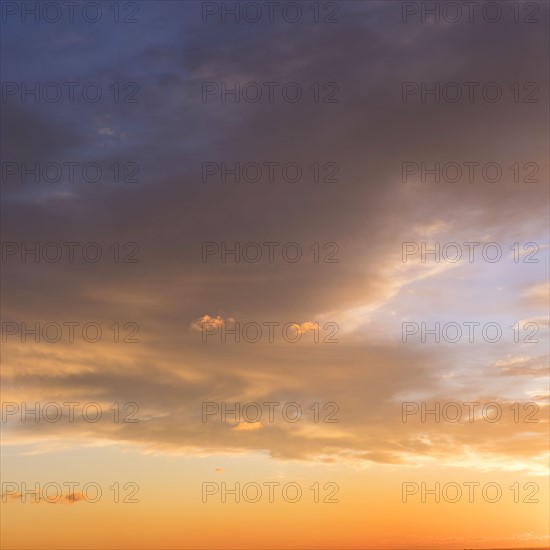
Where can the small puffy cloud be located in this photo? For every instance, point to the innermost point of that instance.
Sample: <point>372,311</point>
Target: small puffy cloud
<point>307,326</point>
<point>247,426</point>
<point>217,321</point>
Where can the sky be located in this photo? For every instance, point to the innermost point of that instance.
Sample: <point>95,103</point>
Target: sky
<point>274,278</point>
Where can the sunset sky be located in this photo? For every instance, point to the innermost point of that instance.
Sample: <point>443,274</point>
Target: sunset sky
<point>166,214</point>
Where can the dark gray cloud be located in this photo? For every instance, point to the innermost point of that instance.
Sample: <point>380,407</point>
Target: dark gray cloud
<point>170,132</point>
